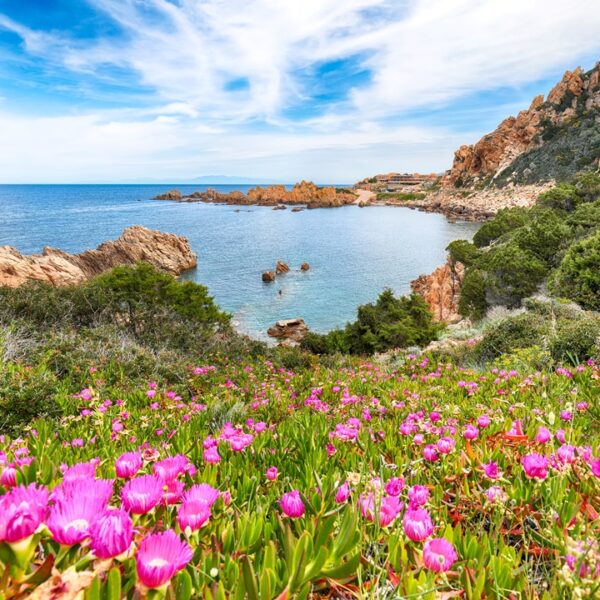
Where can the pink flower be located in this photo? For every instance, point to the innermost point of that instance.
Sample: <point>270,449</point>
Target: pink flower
<point>193,514</point>
<point>543,435</point>
<point>343,492</point>
<point>100,490</point>
<point>70,519</point>
<point>202,492</point>
<point>22,511</point>
<point>112,533</point>
<point>394,486</point>
<point>439,555</point>
<point>491,470</point>
<point>160,556</point>
<point>417,524</point>
<point>430,453</point>
<point>272,473</point>
<point>141,494</point>
<point>211,455</point>
<point>445,445</point>
<point>471,432</point>
<point>86,470</point>
<point>417,496</point>
<point>9,476</point>
<point>292,505</point>
<point>483,421</point>
<point>128,464</point>
<point>595,465</point>
<point>495,494</point>
<point>171,467</point>
<point>390,508</point>
<point>535,466</point>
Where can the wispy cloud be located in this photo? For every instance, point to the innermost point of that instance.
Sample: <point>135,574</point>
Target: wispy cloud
<point>245,80</point>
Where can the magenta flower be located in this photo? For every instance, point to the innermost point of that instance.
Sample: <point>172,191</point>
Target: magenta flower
<point>292,505</point>
<point>535,466</point>
<point>193,514</point>
<point>595,465</point>
<point>171,467</point>
<point>112,533</point>
<point>439,555</point>
<point>343,493</point>
<point>390,508</point>
<point>417,524</point>
<point>430,453</point>
<point>483,421</point>
<point>394,486</point>
<point>86,470</point>
<point>543,435</point>
<point>495,494</point>
<point>272,473</point>
<point>202,492</point>
<point>128,464</point>
<point>471,432</point>
<point>141,494</point>
<point>160,556</point>
<point>417,496</point>
<point>8,478</point>
<point>491,470</point>
<point>100,490</point>
<point>70,520</point>
<point>445,445</point>
<point>211,455</point>
<point>22,511</point>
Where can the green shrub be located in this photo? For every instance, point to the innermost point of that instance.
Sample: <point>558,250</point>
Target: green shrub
<point>512,274</point>
<point>389,323</point>
<point>576,341</point>
<point>522,331</point>
<point>505,221</point>
<point>588,185</point>
<point>463,252</point>
<point>544,235</point>
<point>578,276</point>
<point>473,303</point>
<point>564,196</point>
<point>585,219</point>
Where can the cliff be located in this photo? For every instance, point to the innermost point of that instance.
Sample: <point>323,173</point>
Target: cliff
<point>551,140</point>
<point>166,251</point>
<point>441,291</point>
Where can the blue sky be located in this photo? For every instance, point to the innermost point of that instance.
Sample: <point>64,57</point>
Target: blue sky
<point>146,90</point>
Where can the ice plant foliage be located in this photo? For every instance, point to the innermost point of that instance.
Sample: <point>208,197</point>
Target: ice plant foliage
<point>258,481</point>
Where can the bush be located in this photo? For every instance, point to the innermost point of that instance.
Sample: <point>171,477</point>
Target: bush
<point>578,276</point>
<point>576,341</point>
<point>522,331</point>
<point>505,221</point>
<point>389,323</point>
<point>473,303</point>
<point>585,219</point>
<point>564,196</point>
<point>463,252</point>
<point>512,274</point>
<point>544,235</point>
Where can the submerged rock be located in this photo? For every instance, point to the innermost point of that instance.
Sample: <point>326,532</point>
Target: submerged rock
<point>289,330</point>
<point>304,266</point>
<point>166,251</point>
<point>268,276</point>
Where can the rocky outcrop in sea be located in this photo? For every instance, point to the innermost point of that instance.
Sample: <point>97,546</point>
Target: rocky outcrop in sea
<point>166,251</point>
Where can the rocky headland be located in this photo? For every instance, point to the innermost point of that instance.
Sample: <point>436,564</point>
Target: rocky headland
<point>166,251</point>
<point>303,193</point>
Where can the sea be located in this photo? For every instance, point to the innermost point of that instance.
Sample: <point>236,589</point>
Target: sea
<point>353,253</point>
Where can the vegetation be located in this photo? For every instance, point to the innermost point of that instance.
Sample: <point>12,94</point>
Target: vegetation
<point>388,323</point>
<point>400,196</point>
<point>520,250</point>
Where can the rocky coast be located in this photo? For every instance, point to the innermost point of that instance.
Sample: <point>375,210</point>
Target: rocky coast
<point>166,251</point>
<point>304,193</point>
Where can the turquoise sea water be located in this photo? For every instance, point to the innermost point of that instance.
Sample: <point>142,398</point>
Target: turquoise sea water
<point>353,252</point>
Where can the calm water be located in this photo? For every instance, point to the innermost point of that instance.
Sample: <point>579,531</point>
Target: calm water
<point>354,253</point>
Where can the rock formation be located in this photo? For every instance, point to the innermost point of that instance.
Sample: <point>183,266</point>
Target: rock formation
<point>268,276</point>
<point>304,266</point>
<point>278,196</point>
<point>576,97</point>
<point>281,267</point>
<point>166,251</point>
<point>290,330</point>
<point>441,291</point>
<point>170,195</point>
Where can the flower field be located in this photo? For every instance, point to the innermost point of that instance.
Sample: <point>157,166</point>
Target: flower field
<point>424,481</point>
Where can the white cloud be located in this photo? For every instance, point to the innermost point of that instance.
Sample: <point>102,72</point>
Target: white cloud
<point>421,53</point>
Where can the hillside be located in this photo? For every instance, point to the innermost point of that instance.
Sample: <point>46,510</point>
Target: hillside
<point>553,139</point>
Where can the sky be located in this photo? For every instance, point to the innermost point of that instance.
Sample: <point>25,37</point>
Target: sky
<point>95,91</point>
